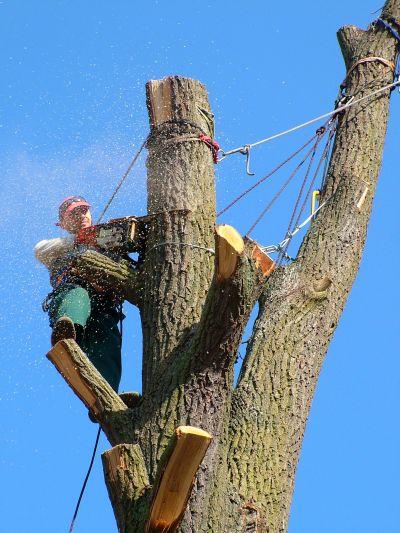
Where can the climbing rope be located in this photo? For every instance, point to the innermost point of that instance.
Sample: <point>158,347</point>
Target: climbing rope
<point>290,230</point>
<point>328,156</point>
<point>246,147</point>
<point>279,247</point>
<point>183,244</point>
<point>259,182</point>
<point>320,133</point>
<point>71,527</point>
<point>121,181</point>
<point>212,144</point>
<point>208,141</point>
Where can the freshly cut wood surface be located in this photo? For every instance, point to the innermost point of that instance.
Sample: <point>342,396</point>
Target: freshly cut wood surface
<point>263,261</point>
<point>86,381</point>
<point>168,103</point>
<point>62,360</point>
<point>159,96</point>
<point>229,246</point>
<point>188,449</point>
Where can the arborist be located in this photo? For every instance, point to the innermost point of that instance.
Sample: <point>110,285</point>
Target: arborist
<point>78,309</point>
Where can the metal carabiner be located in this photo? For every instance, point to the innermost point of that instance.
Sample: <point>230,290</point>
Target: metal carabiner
<point>246,151</point>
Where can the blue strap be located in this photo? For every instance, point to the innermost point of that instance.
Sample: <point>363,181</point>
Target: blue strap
<point>389,27</point>
<point>396,35</point>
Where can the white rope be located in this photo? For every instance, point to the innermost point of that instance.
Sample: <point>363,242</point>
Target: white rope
<point>316,119</point>
<point>278,247</point>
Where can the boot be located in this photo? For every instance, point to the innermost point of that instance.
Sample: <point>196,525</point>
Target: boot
<point>130,399</point>
<point>63,329</point>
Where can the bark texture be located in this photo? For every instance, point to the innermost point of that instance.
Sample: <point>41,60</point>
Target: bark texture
<point>115,277</point>
<point>296,322</point>
<point>192,324</point>
<point>193,319</point>
<point>128,486</point>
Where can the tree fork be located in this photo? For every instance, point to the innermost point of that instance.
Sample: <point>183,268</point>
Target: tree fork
<point>193,317</point>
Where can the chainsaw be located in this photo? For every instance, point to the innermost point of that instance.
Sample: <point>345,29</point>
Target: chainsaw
<point>122,235</point>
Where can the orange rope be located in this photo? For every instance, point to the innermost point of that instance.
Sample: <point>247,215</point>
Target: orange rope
<point>369,59</point>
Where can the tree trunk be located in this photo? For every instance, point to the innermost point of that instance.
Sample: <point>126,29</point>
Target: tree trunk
<point>188,349</point>
<point>198,285</point>
<point>296,322</point>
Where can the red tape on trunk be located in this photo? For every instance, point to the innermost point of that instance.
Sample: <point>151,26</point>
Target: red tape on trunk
<point>213,145</point>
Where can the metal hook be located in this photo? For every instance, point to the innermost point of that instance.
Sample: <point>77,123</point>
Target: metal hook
<point>222,156</point>
<point>246,151</point>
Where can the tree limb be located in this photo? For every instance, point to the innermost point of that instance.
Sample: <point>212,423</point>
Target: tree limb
<point>176,476</point>
<point>119,278</point>
<point>94,391</point>
<point>227,310</point>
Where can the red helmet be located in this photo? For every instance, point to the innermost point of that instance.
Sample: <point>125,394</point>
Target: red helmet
<point>69,204</point>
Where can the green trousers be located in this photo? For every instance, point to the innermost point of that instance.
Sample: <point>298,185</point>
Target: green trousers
<point>96,320</point>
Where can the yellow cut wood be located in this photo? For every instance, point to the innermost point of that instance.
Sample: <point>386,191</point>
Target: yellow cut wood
<point>263,261</point>
<point>159,101</point>
<point>169,503</point>
<point>316,195</point>
<point>229,246</point>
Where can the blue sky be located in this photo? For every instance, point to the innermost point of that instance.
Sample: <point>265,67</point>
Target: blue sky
<point>73,111</point>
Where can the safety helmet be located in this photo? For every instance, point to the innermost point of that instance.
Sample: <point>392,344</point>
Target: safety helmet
<point>69,204</point>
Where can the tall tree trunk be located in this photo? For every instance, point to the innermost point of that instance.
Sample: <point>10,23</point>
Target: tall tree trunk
<point>194,312</point>
<point>297,319</point>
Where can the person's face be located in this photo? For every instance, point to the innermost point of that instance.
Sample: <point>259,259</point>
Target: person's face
<point>77,219</point>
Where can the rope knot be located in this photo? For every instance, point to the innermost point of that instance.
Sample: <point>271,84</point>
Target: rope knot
<point>212,144</point>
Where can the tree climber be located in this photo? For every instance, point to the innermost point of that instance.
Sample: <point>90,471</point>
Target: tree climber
<point>78,309</point>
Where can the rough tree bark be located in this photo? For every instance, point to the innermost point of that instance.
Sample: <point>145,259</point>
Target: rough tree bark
<point>295,324</point>
<point>193,318</point>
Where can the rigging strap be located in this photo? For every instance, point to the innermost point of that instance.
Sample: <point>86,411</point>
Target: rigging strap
<point>289,235</point>
<point>369,59</point>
